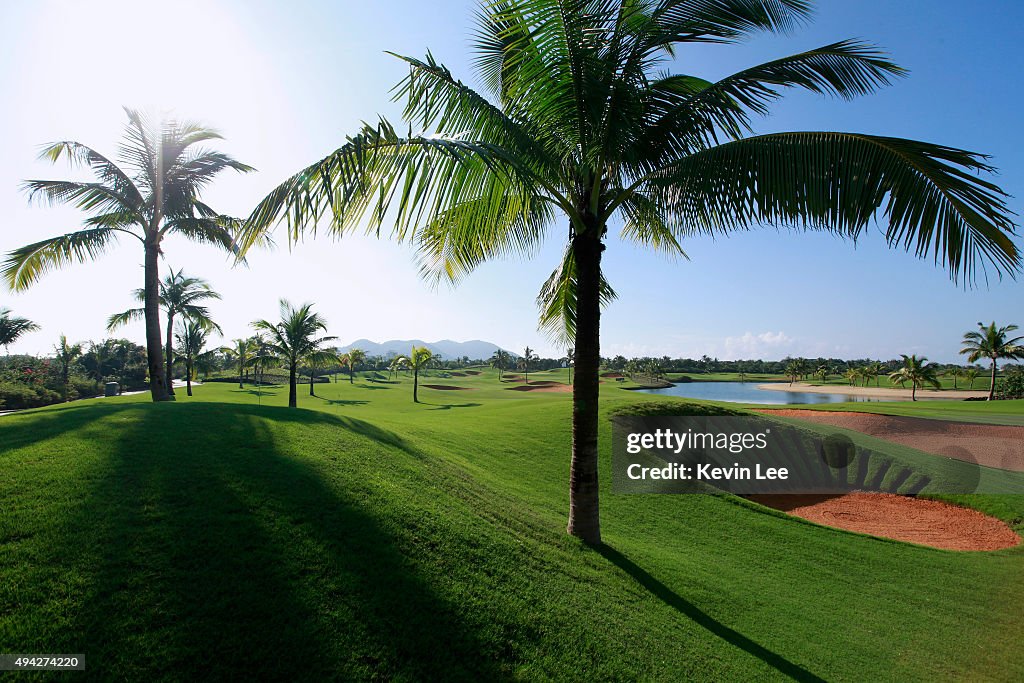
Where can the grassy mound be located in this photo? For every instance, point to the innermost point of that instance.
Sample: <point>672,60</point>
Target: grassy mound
<point>364,536</point>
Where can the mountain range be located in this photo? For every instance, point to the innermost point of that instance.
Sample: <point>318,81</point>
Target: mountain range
<point>474,349</point>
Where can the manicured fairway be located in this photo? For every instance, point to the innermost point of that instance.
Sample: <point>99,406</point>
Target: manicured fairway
<point>363,536</point>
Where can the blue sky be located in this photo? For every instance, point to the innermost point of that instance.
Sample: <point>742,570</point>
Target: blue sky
<point>285,82</point>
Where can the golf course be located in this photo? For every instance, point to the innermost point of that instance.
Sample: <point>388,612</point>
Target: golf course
<point>365,536</point>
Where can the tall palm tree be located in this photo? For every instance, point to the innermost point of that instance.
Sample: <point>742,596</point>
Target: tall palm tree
<point>580,121</point>
<point>294,338</point>
<point>353,358</point>
<point>917,371</point>
<point>993,343</point>
<point>191,337</point>
<point>179,295</point>
<point>12,327</point>
<point>524,362</point>
<point>151,192</point>
<point>418,359</point>
<point>243,352</point>
<point>65,355</point>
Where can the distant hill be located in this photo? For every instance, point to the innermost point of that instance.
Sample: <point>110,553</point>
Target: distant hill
<point>448,349</point>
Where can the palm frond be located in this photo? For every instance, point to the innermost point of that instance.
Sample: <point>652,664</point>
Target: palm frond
<point>124,318</point>
<point>557,301</point>
<point>24,266</point>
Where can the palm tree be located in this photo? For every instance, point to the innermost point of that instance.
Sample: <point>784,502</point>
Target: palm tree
<point>318,358</point>
<point>65,355</point>
<point>569,359</point>
<point>579,121</point>
<point>153,193</point>
<point>823,372</point>
<point>191,337</point>
<point>396,365</point>
<point>243,352</point>
<point>793,371</point>
<point>179,295</point>
<point>993,343</point>
<point>954,372</point>
<point>418,359</point>
<point>524,362</point>
<point>500,359</point>
<point>971,375</point>
<point>294,338</point>
<point>353,358</point>
<point>12,327</point>
<point>918,372</point>
<point>851,375</point>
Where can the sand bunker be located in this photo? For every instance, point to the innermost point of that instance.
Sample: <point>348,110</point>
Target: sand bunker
<point>552,387</point>
<point>446,387</point>
<point>457,374</point>
<point>904,518</point>
<point>990,445</point>
<point>472,372</point>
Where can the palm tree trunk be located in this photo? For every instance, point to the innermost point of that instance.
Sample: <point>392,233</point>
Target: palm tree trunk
<point>992,382</point>
<point>415,385</point>
<point>913,391</point>
<point>293,399</point>
<point>351,374</point>
<point>168,350</point>
<point>151,305</point>
<point>584,514</point>
<point>311,382</point>
<point>188,378</point>
<point>241,368</point>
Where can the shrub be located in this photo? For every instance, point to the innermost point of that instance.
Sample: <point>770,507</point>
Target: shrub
<point>1012,384</point>
<point>15,396</point>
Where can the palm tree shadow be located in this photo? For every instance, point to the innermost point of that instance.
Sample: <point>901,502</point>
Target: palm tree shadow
<point>341,401</point>
<point>449,406</point>
<point>691,611</point>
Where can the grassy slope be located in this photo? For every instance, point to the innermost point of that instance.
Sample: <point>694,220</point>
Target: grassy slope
<point>368,536</point>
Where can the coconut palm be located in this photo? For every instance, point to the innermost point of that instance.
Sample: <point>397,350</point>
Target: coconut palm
<point>917,371</point>
<point>823,372</point>
<point>395,366</point>
<point>569,359</point>
<point>579,120</point>
<point>152,192</point>
<point>179,295</point>
<point>318,358</point>
<point>12,327</point>
<point>524,362</point>
<point>191,337</point>
<point>971,375</point>
<point>851,375</point>
<point>500,360</point>
<point>353,358</point>
<point>294,338</point>
<point>993,343</point>
<point>66,354</point>
<point>419,358</point>
<point>243,352</point>
<point>954,372</point>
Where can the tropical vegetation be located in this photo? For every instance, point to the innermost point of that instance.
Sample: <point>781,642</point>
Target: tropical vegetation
<point>294,338</point>
<point>993,343</point>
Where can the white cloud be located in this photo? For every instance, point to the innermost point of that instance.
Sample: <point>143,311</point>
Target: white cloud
<point>767,345</point>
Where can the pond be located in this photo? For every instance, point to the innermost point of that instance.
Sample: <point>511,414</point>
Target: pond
<point>747,392</point>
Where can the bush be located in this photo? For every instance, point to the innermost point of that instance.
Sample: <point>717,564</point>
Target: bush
<point>83,387</point>
<point>15,396</point>
<point>1012,385</point>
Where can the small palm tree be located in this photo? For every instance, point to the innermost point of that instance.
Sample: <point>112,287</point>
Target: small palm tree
<point>417,360</point>
<point>954,372</point>
<point>318,358</point>
<point>294,338</point>
<point>13,327</point>
<point>793,371</point>
<point>918,372</point>
<point>180,295</point>
<point>875,369</point>
<point>500,360</point>
<point>395,366</point>
<point>823,372</point>
<point>353,358</point>
<point>191,337</point>
<point>580,122</point>
<point>569,359</point>
<point>851,375</point>
<point>524,362</point>
<point>243,352</point>
<point>971,375</point>
<point>153,192</point>
<point>65,355</point>
<point>993,343</point>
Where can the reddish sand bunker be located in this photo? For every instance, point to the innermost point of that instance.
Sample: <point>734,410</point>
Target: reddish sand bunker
<point>990,445</point>
<point>446,387</point>
<point>551,387</point>
<point>904,518</point>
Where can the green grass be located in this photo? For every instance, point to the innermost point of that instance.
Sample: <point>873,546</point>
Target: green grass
<point>362,536</point>
<point>982,412</point>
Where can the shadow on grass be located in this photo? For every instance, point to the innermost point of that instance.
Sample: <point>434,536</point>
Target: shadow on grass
<point>341,401</point>
<point>691,611</point>
<point>210,547</point>
<point>449,406</point>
